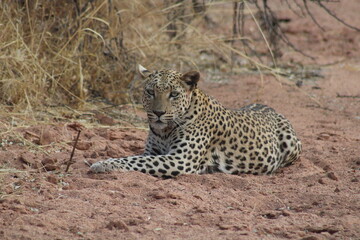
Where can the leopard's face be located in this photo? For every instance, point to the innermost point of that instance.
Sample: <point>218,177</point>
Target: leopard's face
<point>167,96</point>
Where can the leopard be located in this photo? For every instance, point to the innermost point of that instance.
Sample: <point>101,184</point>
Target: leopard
<point>191,132</point>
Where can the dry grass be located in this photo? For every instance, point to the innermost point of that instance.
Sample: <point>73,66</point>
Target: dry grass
<point>67,53</point>
<point>54,54</point>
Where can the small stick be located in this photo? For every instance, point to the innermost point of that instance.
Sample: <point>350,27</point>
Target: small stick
<point>73,151</point>
<point>347,96</point>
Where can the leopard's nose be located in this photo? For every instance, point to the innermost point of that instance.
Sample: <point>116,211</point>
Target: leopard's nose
<point>159,113</point>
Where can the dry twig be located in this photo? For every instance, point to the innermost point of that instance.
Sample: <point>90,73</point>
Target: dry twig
<point>77,127</point>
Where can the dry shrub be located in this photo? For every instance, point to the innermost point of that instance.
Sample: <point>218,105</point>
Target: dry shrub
<point>65,52</point>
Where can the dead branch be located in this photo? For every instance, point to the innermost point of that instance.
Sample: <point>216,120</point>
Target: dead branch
<point>335,16</point>
<point>73,151</point>
<point>311,16</point>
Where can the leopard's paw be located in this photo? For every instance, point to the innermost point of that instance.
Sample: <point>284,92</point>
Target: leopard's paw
<point>99,167</point>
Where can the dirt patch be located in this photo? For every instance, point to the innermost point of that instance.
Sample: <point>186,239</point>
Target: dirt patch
<point>316,198</point>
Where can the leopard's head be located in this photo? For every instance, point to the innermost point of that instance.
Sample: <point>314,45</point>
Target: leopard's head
<point>167,95</point>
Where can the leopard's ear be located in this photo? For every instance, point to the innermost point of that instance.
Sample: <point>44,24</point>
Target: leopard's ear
<point>191,79</point>
<point>143,71</point>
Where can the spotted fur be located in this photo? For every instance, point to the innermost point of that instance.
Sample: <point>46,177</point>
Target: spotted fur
<point>190,132</point>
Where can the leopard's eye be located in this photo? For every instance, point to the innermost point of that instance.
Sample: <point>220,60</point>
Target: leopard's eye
<point>150,92</point>
<point>174,94</point>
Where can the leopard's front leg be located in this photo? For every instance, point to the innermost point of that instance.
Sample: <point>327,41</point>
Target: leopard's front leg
<point>169,165</point>
<point>184,157</point>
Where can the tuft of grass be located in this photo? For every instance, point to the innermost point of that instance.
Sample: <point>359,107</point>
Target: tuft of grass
<point>10,170</point>
<point>67,54</point>
<point>55,54</point>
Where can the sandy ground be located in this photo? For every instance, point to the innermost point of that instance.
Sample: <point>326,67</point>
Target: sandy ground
<point>316,198</point>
